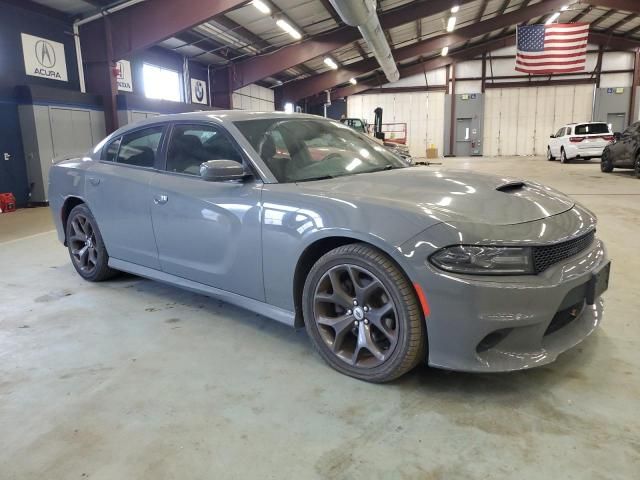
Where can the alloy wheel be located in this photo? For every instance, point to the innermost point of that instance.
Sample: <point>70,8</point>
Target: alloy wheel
<point>82,242</point>
<point>356,316</point>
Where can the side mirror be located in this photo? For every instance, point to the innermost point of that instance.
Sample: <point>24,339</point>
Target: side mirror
<point>617,136</point>
<point>552,136</point>
<point>221,170</point>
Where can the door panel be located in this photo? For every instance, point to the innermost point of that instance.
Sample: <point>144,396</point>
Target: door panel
<point>209,232</point>
<point>120,200</point>
<point>463,137</point>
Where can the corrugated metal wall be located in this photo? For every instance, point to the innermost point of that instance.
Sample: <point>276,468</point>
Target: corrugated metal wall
<point>254,98</point>
<point>518,121</point>
<point>423,112</point>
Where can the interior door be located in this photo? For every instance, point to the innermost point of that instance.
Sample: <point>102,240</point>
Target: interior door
<point>463,137</point>
<point>616,121</point>
<point>118,194</point>
<point>207,232</point>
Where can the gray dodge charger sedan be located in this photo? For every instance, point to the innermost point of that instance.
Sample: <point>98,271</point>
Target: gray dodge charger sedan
<point>308,222</point>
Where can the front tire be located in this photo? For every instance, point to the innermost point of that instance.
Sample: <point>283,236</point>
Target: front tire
<point>636,167</point>
<point>86,247</point>
<point>362,314</point>
<point>606,165</point>
<point>550,157</point>
<point>563,156</point>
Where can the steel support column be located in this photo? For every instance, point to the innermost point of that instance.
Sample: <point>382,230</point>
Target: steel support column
<point>100,78</point>
<point>635,84</point>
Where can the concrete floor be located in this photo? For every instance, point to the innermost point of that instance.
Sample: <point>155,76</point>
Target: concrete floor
<point>131,379</point>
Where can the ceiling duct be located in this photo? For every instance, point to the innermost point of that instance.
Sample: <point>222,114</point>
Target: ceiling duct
<point>362,14</point>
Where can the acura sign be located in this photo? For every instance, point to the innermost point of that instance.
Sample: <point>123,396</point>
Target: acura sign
<point>44,58</point>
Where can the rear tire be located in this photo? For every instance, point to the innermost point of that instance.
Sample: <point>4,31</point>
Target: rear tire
<point>362,314</point>
<point>636,167</point>
<point>563,156</point>
<point>606,165</point>
<point>550,157</point>
<point>86,247</point>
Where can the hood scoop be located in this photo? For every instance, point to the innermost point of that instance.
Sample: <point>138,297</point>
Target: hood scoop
<point>511,187</point>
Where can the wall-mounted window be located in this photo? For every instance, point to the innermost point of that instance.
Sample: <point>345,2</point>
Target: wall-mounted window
<point>161,83</point>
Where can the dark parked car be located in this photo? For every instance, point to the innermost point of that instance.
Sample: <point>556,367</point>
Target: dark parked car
<point>624,152</point>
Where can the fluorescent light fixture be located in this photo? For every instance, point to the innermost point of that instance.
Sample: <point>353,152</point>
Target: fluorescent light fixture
<point>552,18</point>
<point>455,9</point>
<point>353,81</point>
<point>328,61</point>
<point>451,24</point>
<point>445,51</point>
<point>288,107</point>
<point>286,26</point>
<point>263,7</point>
<point>564,8</point>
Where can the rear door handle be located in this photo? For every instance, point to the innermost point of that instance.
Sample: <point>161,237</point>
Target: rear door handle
<point>94,181</point>
<point>160,199</point>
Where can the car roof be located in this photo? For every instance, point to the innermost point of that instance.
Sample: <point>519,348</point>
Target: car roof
<point>218,116</point>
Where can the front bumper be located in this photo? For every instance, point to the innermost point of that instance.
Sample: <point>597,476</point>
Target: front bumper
<point>497,324</point>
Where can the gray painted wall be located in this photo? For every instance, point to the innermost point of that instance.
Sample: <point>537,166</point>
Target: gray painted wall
<point>468,106</point>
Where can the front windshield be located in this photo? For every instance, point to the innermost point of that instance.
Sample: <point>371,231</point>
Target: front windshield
<point>297,150</point>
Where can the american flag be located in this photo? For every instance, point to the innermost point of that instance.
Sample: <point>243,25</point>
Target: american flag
<point>553,48</point>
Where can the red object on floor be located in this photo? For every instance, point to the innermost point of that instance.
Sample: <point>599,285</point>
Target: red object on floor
<point>7,203</point>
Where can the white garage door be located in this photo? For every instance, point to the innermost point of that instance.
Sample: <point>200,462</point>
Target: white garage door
<point>423,112</point>
<point>518,121</point>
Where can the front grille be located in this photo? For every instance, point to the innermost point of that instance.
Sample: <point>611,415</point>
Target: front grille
<point>544,257</point>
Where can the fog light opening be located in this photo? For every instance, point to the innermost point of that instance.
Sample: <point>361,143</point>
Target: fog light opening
<point>492,339</point>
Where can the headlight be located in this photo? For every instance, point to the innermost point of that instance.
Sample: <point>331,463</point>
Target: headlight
<point>480,260</point>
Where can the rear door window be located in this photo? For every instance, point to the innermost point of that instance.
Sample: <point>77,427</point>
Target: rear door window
<point>592,128</point>
<point>140,148</point>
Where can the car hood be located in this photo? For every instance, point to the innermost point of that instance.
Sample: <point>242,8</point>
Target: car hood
<point>449,195</point>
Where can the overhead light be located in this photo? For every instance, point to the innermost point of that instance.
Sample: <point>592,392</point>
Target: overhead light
<point>564,8</point>
<point>263,7</point>
<point>552,18</point>
<point>451,24</point>
<point>445,51</point>
<point>353,81</point>
<point>455,9</point>
<point>286,26</point>
<point>329,62</point>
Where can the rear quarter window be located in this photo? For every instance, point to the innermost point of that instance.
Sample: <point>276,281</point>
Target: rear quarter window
<point>592,128</point>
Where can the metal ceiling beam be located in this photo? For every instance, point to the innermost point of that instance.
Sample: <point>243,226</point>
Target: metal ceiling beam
<point>253,69</point>
<point>238,29</point>
<point>329,8</point>
<point>431,64</point>
<point>615,42</point>
<point>303,88</point>
<point>602,18</point>
<point>145,24</point>
<point>622,22</point>
<point>632,6</point>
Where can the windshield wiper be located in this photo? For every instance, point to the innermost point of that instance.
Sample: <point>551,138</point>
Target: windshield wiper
<point>324,177</point>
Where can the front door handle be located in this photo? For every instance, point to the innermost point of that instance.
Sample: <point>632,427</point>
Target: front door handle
<point>160,199</point>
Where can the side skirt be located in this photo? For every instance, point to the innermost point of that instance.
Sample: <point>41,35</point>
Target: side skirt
<point>276,313</point>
